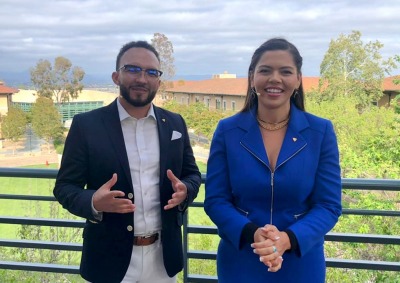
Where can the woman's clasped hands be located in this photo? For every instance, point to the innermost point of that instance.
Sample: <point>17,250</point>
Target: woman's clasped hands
<point>270,244</point>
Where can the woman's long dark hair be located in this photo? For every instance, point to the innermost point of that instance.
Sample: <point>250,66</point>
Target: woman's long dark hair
<point>271,45</point>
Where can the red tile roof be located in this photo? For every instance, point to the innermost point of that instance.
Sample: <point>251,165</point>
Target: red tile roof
<point>238,86</point>
<point>7,90</point>
<point>389,85</point>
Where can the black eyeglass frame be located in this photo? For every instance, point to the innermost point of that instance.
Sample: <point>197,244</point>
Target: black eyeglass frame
<point>140,69</point>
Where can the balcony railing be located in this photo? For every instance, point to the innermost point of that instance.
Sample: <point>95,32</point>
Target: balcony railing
<point>348,184</point>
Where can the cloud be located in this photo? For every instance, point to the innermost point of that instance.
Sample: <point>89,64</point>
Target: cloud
<point>209,37</point>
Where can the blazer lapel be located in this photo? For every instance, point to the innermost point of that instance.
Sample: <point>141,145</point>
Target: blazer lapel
<point>293,142</point>
<point>112,125</point>
<point>252,140</point>
<point>164,134</point>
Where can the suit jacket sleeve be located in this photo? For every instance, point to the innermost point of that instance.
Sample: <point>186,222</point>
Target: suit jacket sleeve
<point>326,197</point>
<point>71,180</point>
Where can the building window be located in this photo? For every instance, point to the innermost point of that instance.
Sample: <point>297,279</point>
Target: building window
<point>207,102</point>
<point>224,105</point>
<point>233,106</point>
<point>197,99</point>
<point>217,103</point>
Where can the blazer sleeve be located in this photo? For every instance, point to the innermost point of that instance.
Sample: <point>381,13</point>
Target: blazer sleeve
<point>326,196</point>
<point>218,203</point>
<point>71,180</point>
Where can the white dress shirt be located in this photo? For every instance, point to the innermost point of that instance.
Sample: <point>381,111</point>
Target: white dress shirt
<point>143,149</point>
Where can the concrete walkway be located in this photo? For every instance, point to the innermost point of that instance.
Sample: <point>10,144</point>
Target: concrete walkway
<point>18,160</point>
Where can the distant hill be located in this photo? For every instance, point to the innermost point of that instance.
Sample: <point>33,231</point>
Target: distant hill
<point>19,79</point>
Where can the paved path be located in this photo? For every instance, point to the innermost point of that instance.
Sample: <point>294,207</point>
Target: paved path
<point>27,159</point>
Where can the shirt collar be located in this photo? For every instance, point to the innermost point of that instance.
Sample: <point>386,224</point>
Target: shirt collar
<point>124,115</point>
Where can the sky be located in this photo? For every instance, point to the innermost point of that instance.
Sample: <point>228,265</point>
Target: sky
<point>208,36</point>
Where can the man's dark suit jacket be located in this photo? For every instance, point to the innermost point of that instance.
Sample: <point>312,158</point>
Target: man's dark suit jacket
<point>94,150</point>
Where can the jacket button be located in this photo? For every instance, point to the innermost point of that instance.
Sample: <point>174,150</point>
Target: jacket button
<point>129,228</point>
<point>130,196</point>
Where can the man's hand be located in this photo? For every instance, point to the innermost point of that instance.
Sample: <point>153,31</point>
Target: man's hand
<point>105,200</point>
<point>180,191</point>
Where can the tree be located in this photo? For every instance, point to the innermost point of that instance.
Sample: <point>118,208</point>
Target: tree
<point>352,68</point>
<point>166,51</point>
<point>397,82</point>
<point>13,125</point>
<point>46,121</point>
<point>60,82</point>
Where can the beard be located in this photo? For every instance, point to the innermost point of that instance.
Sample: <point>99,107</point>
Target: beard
<point>139,102</point>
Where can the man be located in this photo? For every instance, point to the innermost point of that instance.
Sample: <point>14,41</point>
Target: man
<point>129,169</point>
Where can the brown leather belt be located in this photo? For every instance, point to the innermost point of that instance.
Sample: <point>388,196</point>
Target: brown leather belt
<point>145,240</point>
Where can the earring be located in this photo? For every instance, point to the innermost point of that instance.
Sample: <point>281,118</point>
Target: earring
<point>295,93</point>
<point>253,91</point>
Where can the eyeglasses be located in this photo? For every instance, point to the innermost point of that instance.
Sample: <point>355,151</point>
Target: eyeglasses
<point>136,71</point>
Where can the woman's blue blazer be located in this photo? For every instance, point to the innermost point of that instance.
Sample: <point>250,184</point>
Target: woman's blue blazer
<point>302,194</point>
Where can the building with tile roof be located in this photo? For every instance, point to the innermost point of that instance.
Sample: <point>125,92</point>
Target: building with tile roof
<point>5,97</point>
<point>229,93</point>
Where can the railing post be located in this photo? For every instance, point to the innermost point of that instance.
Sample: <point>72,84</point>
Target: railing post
<point>185,245</point>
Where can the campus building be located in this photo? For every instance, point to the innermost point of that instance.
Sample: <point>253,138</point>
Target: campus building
<point>225,93</point>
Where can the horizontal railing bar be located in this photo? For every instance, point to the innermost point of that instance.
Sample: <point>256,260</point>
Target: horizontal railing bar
<point>212,255</point>
<point>331,236</point>
<point>363,238</point>
<point>363,264</point>
<point>347,183</point>
<point>197,278</point>
<point>370,212</point>
<point>366,212</point>
<point>28,173</point>
<point>202,229</point>
<point>371,184</point>
<point>330,262</point>
<point>41,267</point>
<point>347,211</point>
<point>42,221</point>
<point>34,244</point>
<point>27,197</point>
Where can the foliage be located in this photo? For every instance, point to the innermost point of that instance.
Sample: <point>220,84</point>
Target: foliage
<point>60,82</point>
<point>368,141</point>
<point>46,120</point>
<point>13,125</point>
<point>351,68</point>
<point>166,51</point>
<point>198,117</point>
<point>369,148</point>
<point>396,81</point>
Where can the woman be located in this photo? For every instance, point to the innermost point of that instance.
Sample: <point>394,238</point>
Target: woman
<point>273,184</point>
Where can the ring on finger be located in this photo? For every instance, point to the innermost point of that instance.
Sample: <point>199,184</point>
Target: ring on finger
<point>274,249</point>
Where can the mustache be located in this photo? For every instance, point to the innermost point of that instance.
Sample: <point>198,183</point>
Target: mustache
<point>138,85</point>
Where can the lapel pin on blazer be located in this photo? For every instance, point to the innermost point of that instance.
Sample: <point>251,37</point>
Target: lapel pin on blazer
<point>294,139</point>
<point>163,120</point>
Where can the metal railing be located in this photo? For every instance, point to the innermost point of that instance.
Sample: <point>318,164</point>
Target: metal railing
<point>353,184</point>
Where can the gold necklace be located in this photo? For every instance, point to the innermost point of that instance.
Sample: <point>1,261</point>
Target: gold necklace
<point>272,126</point>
